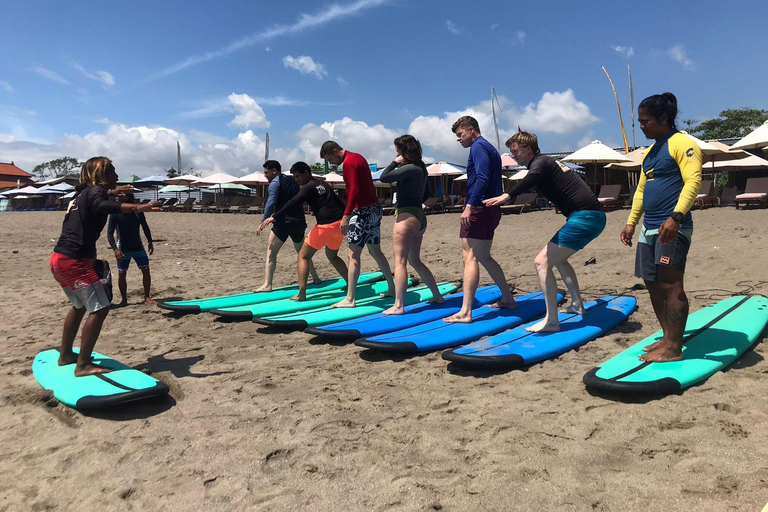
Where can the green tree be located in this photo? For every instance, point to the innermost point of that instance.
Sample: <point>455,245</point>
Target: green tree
<point>319,168</point>
<point>732,123</point>
<point>61,167</point>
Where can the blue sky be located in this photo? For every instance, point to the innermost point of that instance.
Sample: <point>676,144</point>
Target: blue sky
<point>129,79</point>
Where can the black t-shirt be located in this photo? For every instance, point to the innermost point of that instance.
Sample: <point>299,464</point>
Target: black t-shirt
<point>325,204</point>
<point>127,227</point>
<point>85,218</point>
<point>565,189</point>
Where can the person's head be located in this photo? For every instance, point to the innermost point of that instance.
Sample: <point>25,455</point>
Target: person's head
<point>523,146</point>
<point>301,173</point>
<point>332,152</point>
<point>409,148</point>
<point>98,172</point>
<point>466,130</point>
<point>272,169</point>
<point>657,115</point>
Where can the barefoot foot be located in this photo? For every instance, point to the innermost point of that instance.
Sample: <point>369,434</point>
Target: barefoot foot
<point>299,297</point>
<point>394,311</point>
<point>504,304</point>
<point>263,288</point>
<point>346,303</point>
<point>149,300</point>
<point>575,309</point>
<point>663,353</point>
<point>68,358</point>
<point>436,300</point>
<point>459,318</point>
<point>90,369</point>
<point>544,326</point>
<point>653,346</point>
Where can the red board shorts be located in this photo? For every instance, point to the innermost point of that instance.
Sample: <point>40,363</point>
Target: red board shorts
<point>326,235</point>
<point>80,282</point>
<point>483,221</point>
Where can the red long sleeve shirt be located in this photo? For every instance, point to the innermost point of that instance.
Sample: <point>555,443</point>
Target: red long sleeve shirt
<point>357,177</point>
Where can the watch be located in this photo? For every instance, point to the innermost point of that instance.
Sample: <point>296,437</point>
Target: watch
<point>677,217</point>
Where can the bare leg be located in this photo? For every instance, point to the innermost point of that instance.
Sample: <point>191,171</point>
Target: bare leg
<point>273,248</point>
<point>671,346</point>
<point>471,280</point>
<point>337,262</point>
<point>483,254</point>
<point>402,236</point>
<point>305,255</point>
<point>91,331</point>
<point>353,273</point>
<point>147,281</point>
<point>550,255</point>
<point>381,261</point>
<point>659,303</point>
<point>569,278</point>
<point>122,285</point>
<point>312,272</point>
<point>414,258</point>
<point>71,325</point>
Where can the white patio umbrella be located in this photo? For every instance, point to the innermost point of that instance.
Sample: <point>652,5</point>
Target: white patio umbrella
<point>228,186</point>
<point>755,140</point>
<point>596,153</point>
<point>218,178</point>
<point>749,162</point>
<point>520,175</point>
<point>186,179</point>
<point>333,178</point>
<point>29,189</point>
<point>255,178</point>
<point>444,169</point>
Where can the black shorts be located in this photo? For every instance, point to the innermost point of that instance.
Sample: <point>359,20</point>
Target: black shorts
<point>654,255</point>
<point>293,229</point>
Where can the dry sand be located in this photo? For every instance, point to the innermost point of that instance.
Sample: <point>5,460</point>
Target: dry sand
<point>262,421</point>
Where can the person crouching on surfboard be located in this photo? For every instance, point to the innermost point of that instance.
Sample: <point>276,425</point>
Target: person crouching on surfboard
<point>586,220</point>
<point>74,258</point>
<point>669,183</point>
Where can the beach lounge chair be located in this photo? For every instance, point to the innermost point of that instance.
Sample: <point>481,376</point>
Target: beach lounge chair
<point>245,204</point>
<point>220,205</point>
<point>521,203</point>
<point>609,197</point>
<point>233,205</point>
<point>756,193</point>
<point>706,195</point>
<point>458,207</point>
<point>203,205</point>
<point>433,205</point>
<point>257,206</point>
<point>728,195</point>
<point>186,206</point>
<point>168,204</point>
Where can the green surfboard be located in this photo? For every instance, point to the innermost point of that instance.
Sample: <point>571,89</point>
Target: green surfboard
<point>715,336</point>
<point>364,307</point>
<point>123,384</point>
<point>244,299</point>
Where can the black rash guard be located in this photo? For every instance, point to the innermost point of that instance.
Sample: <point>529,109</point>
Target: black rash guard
<point>566,190</point>
<point>325,204</point>
<point>85,218</point>
<point>127,226</point>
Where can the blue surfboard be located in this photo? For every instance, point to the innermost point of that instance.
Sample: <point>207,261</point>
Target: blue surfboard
<point>437,335</point>
<point>518,347</point>
<point>123,384</point>
<point>415,314</point>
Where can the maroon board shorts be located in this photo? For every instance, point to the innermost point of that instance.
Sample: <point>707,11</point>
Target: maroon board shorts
<point>483,221</point>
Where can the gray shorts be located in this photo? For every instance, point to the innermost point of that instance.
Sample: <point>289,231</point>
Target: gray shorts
<point>651,255</point>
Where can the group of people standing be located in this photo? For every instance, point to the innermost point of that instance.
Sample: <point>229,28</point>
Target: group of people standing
<point>669,183</point>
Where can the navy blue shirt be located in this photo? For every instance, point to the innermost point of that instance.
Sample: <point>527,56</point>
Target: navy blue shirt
<point>483,172</point>
<point>281,190</point>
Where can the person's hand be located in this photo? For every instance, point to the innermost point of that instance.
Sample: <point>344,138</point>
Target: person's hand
<point>344,224</point>
<point>118,255</point>
<point>626,235</point>
<point>120,191</point>
<point>668,231</point>
<point>154,206</point>
<point>151,248</point>
<point>264,225</point>
<point>465,216</point>
<point>399,159</point>
<point>497,201</point>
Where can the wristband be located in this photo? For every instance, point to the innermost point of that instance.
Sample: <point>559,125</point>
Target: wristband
<point>677,217</point>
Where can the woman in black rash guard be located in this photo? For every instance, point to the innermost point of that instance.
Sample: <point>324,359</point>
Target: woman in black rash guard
<point>74,259</point>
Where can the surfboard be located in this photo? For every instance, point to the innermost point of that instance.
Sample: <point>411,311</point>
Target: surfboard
<point>437,335</point>
<point>242,299</point>
<point>123,384</point>
<point>288,306</point>
<point>364,307</point>
<point>715,337</point>
<point>415,314</point>
<point>517,347</point>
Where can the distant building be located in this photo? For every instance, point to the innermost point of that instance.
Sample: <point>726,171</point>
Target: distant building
<point>10,176</point>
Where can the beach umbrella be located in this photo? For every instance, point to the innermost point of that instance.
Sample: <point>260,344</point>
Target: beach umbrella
<point>755,140</point>
<point>444,169</point>
<point>256,178</point>
<point>128,180</point>
<point>175,189</point>
<point>520,175</point>
<point>62,187</point>
<point>508,161</point>
<point>596,153</point>
<point>186,179</point>
<point>228,186</point>
<point>69,195</point>
<point>151,181</point>
<point>218,178</point>
<point>334,179</point>
<point>29,189</point>
<point>749,162</point>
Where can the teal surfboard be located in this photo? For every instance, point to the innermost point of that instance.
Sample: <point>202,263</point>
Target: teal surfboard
<point>243,299</point>
<point>123,384</point>
<point>288,306</point>
<point>364,307</point>
<point>715,336</point>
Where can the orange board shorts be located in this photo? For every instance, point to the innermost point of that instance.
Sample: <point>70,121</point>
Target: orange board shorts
<point>326,235</point>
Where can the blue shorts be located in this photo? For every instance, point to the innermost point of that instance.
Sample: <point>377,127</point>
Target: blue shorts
<point>581,228</point>
<point>142,260</point>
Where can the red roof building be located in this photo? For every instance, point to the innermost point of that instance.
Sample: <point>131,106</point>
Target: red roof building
<point>10,176</point>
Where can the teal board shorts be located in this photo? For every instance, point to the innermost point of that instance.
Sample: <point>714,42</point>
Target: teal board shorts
<point>581,228</point>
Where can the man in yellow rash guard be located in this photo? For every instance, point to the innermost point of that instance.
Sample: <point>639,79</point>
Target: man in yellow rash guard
<point>669,183</point>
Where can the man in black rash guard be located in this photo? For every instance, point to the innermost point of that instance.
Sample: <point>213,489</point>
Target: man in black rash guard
<point>586,220</point>
<point>129,246</point>
<point>328,210</point>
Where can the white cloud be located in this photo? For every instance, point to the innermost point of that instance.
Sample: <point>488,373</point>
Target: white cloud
<point>249,113</point>
<point>267,49</point>
<point>103,77</point>
<point>375,142</point>
<point>678,53</point>
<point>50,75</point>
<point>520,37</point>
<point>452,28</point>
<point>556,112</point>
<point>341,81</point>
<point>324,16</point>
<point>624,51</point>
<point>102,120</point>
<point>494,26</point>
<point>305,65</point>
<point>6,85</point>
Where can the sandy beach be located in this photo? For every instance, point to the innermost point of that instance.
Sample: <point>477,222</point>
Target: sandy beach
<point>263,421</point>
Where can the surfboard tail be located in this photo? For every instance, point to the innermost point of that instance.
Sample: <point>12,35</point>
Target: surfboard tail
<point>341,334</point>
<point>403,347</point>
<point>232,315</point>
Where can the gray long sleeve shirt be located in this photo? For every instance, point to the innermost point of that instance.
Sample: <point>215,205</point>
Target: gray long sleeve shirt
<point>412,183</point>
